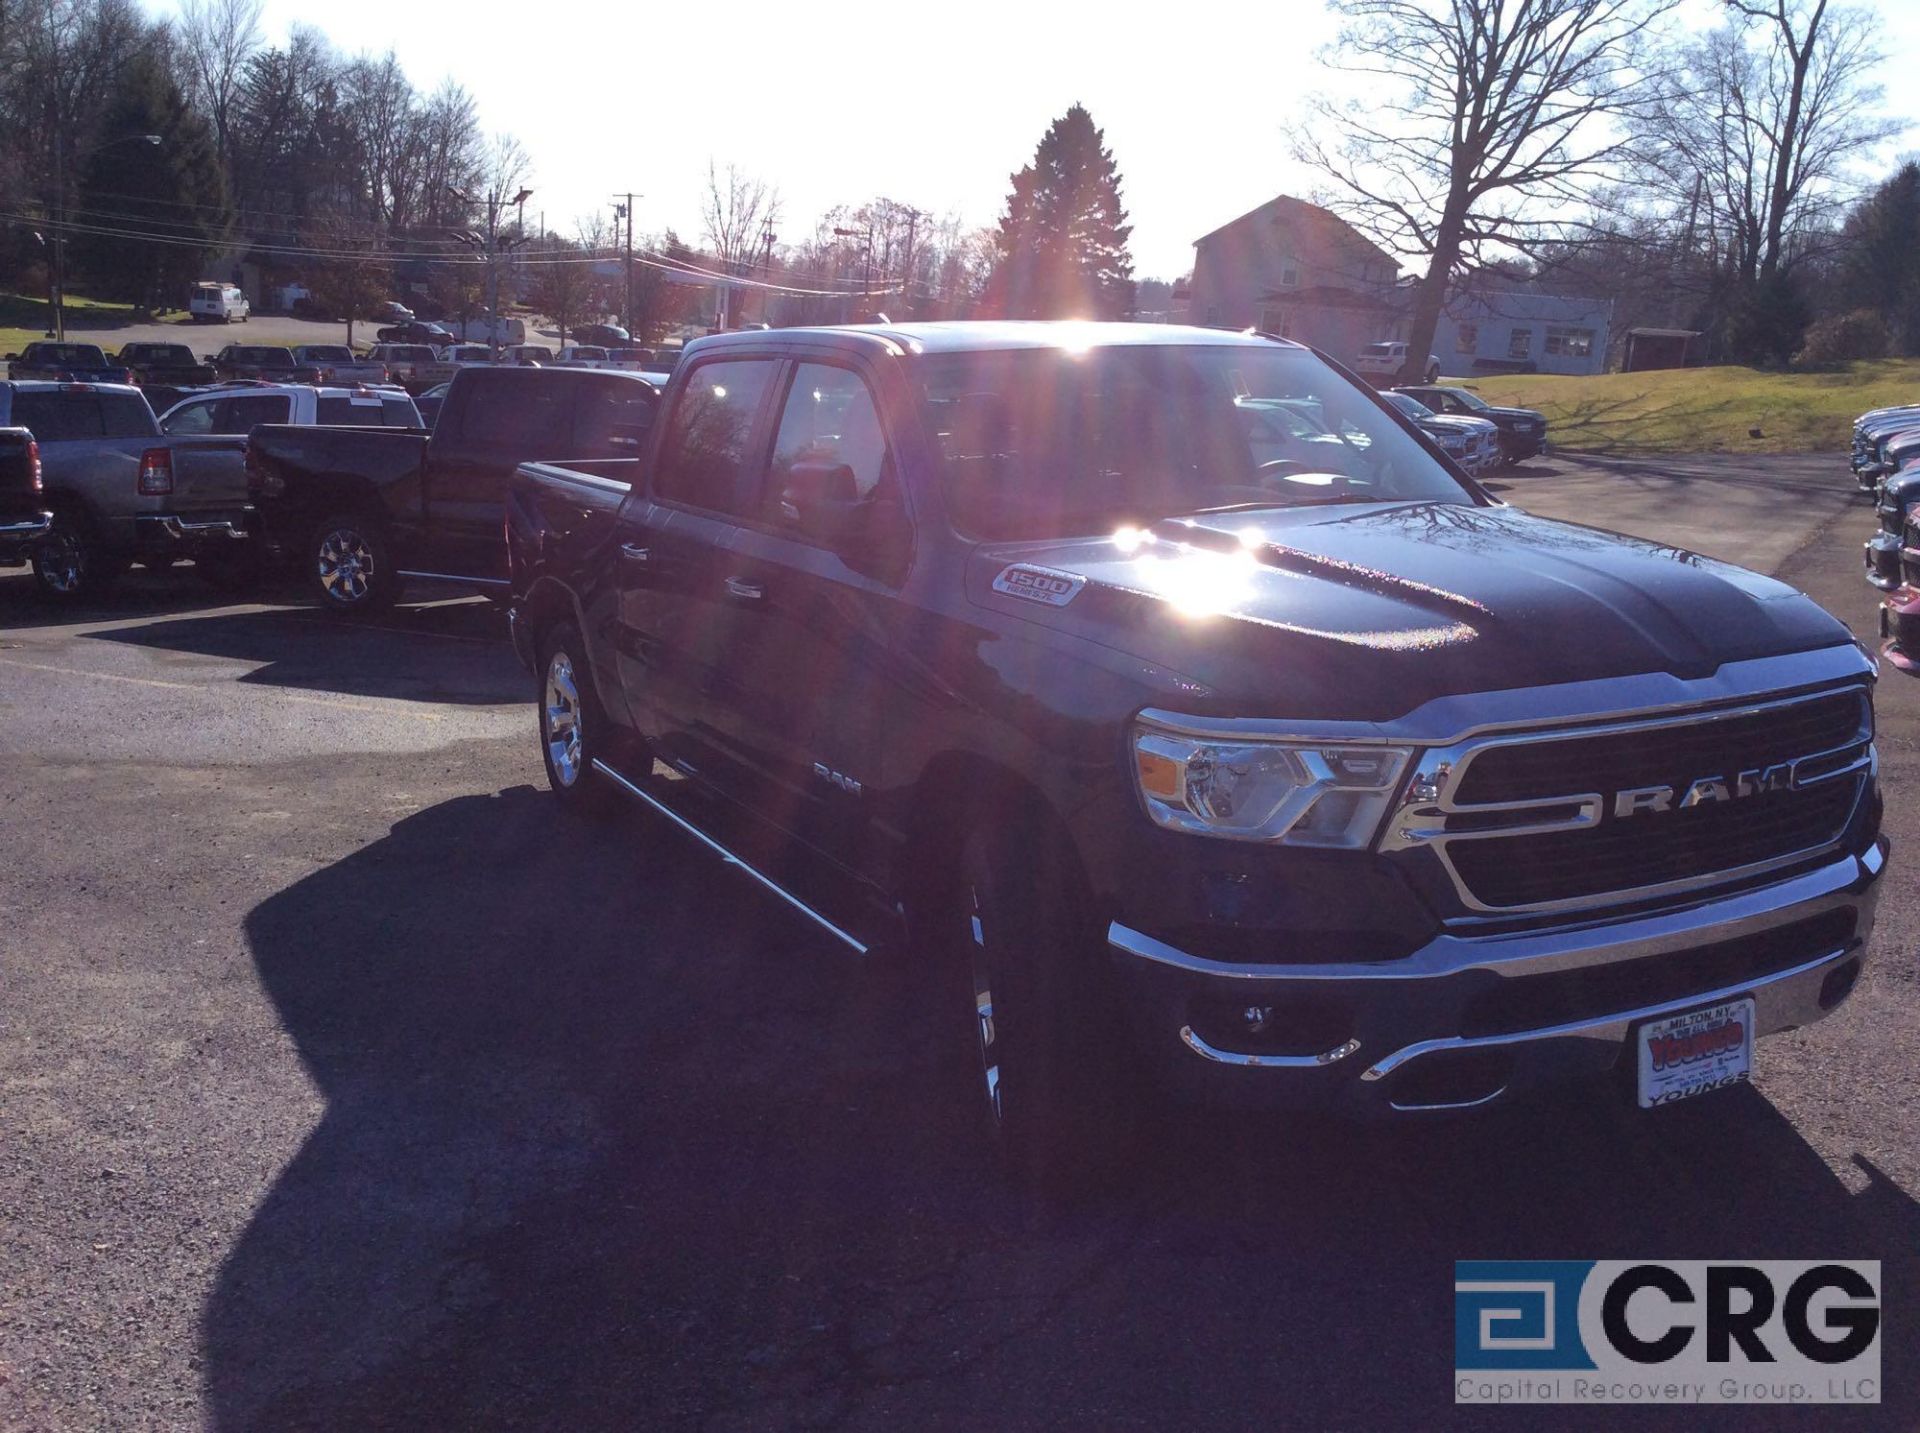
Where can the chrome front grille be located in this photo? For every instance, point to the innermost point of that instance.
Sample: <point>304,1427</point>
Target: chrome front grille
<point>1633,810</point>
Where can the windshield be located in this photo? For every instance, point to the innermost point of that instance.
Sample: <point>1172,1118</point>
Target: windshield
<point>1471,400</point>
<point>1047,443</point>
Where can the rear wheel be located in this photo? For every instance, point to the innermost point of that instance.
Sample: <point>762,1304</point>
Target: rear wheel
<point>69,565</point>
<point>572,727</point>
<point>350,564</point>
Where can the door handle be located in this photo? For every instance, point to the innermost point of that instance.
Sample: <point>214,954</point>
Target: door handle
<point>632,552</point>
<point>746,591</point>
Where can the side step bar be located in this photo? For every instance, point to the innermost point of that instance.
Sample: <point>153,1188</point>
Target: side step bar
<point>859,947</point>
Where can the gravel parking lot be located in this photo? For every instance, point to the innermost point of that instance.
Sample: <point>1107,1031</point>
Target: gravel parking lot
<point>343,1083</point>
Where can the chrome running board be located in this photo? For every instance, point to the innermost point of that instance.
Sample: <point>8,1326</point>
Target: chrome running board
<point>858,947</point>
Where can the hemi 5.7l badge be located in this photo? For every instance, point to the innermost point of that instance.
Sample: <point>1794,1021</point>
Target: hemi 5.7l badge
<point>1039,584</point>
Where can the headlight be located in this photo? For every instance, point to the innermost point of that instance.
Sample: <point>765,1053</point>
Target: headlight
<point>1300,793</point>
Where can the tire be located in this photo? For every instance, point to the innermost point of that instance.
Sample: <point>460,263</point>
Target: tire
<point>1051,1084</point>
<point>68,564</point>
<point>349,563</point>
<point>571,723</point>
<point>1433,375</point>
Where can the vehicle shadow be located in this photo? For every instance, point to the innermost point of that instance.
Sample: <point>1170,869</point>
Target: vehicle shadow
<point>611,1140</point>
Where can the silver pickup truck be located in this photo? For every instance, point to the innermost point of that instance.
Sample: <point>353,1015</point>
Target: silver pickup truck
<point>122,492</point>
<point>338,364</point>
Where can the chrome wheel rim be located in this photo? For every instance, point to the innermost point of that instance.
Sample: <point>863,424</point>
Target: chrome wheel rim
<point>61,562</point>
<point>345,565</point>
<point>983,1024</point>
<point>560,720</point>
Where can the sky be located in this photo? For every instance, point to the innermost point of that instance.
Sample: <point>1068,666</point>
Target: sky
<point>933,106</point>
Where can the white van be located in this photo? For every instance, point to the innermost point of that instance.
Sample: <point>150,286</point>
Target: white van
<point>505,330</point>
<point>1385,360</point>
<point>217,303</point>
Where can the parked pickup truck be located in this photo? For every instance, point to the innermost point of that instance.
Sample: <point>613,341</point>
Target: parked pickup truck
<point>1523,431</point>
<point>361,513</point>
<point>1303,778</point>
<point>168,365</point>
<point>24,518</point>
<point>337,364</point>
<point>65,363</point>
<point>272,365</point>
<point>121,492</point>
<point>414,366</point>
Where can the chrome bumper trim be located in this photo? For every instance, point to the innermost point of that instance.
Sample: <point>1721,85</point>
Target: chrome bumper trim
<point>1612,1029</point>
<point>27,528</point>
<point>1564,947</point>
<point>178,527</point>
<point>1200,1047</point>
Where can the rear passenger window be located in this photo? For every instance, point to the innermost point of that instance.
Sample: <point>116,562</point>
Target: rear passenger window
<point>54,417</point>
<point>828,420</point>
<point>522,412</point>
<point>191,418</point>
<point>610,411</point>
<point>398,413</point>
<point>703,456</point>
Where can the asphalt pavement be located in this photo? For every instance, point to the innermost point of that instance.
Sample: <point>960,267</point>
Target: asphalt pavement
<point>345,1084</point>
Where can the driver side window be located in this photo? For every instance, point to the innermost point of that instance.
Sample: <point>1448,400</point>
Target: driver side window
<point>829,420</point>
<point>193,418</point>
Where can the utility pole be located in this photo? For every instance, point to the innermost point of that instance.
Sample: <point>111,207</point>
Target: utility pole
<point>914,216</point>
<point>625,211</point>
<point>767,237</point>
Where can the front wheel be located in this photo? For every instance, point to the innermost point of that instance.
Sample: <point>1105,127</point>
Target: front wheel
<point>1052,1085</point>
<point>68,564</point>
<point>350,564</point>
<point>572,726</point>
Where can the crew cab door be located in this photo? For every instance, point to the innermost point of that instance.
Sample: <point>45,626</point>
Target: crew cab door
<point>673,616</point>
<point>794,710</point>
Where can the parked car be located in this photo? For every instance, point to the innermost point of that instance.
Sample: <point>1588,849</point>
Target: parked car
<point>603,335</point>
<point>1473,443</point>
<point>414,366</point>
<point>1895,500</point>
<point>337,364</point>
<point>581,355</point>
<point>1523,431</point>
<point>393,311</point>
<point>1350,788</point>
<point>1386,360</point>
<point>65,362</point>
<point>120,491</point>
<point>165,365</point>
<point>527,354</point>
<point>262,361</point>
<point>430,403</point>
<point>363,513</point>
<point>24,516</point>
<point>432,335</point>
<point>468,355</point>
<point>210,302</point>
<point>499,330</point>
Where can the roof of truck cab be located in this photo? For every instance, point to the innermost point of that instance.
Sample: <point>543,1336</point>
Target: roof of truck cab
<point>979,336</point>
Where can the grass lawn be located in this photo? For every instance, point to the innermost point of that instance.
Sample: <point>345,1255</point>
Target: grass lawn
<point>1707,410</point>
<point>23,320</point>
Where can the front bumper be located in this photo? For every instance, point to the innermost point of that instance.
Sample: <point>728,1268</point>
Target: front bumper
<point>1470,1019</point>
<point>1518,447</point>
<point>1900,630</point>
<point>1882,552</point>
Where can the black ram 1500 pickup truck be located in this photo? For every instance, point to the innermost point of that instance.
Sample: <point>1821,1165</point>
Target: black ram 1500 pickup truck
<point>361,511</point>
<point>1282,759</point>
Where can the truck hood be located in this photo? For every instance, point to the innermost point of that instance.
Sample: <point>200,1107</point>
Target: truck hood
<point>1365,613</point>
<point>1458,423</point>
<point>1515,415</point>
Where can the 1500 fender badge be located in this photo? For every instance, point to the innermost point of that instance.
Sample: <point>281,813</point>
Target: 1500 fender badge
<point>1039,584</point>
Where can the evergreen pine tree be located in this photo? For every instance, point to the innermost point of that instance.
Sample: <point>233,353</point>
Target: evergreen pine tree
<point>1881,269</point>
<point>1062,243</point>
<point>175,191</point>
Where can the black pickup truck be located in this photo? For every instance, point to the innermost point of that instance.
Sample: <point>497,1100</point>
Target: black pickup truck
<point>24,516</point>
<point>1304,772</point>
<point>361,511</point>
<point>164,365</point>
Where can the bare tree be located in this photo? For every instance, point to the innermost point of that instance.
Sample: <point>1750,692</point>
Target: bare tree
<point>217,38</point>
<point>1498,115</point>
<point>1747,148</point>
<point>739,211</point>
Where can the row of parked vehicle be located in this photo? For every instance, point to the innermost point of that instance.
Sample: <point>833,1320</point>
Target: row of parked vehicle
<point>1885,459</point>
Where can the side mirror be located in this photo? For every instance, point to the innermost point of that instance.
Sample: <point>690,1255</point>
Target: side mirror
<point>13,358</point>
<point>823,501</point>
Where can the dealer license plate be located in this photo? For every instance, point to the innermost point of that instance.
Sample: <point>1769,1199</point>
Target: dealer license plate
<point>1686,1055</point>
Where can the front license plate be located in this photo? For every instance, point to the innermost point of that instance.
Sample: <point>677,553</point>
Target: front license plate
<point>1690,1054</point>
